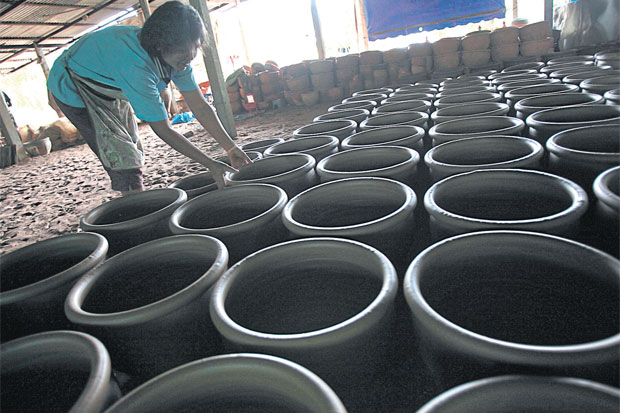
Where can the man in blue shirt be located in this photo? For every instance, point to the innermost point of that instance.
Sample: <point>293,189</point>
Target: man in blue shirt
<point>95,80</point>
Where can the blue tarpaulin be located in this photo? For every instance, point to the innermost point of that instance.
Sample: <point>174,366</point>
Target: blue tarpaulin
<point>391,18</point>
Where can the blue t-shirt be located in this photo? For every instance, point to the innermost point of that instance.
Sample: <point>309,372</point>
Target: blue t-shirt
<point>113,56</point>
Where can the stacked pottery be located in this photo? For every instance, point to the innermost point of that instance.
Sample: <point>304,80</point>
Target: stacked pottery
<point>535,39</point>
<point>447,56</point>
<point>476,52</point>
<point>421,58</point>
<point>316,146</point>
<point>347,73</point>
<point>505,44</point>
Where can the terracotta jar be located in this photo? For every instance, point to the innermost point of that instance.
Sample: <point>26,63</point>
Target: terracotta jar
<point>466,99</point>
<point>411,118</point>
<point>260,146</point>
<point>475,127</point>
<point>528,106</point>
<point>401,135</point>
<point>35,281</point>
<point>293,172</point>
<point>245,218</point>
<point>493,302</point>
<point>505,199</point>
<point>325,303</point>
<point>340,128</point>
<point>490,152</point>
<point>469,111</point>
<point>135,218</point>
<point>147,305</point>
<point>316,146</point>
<point>63,371</point>
<point>233,382</point>
<point>529,393</point>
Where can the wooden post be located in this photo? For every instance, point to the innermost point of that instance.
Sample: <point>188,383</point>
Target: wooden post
<point>320,47</point>
<point>214,71</point>
<point>41,60</point>
<point>146,9</point>
<point>549,12</point>
<point>9,131</point>
<point>362,28</point>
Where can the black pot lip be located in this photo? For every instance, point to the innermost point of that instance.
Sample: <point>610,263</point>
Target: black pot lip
<point>423,104</point>
<point>380,90</point>
<point>417,89</point>
<point>535,146</point>
<point>496,106</point>
<point>135,223</point>
<point>416,132</point>
<point>361,102</point>
<point>533,120</point>
<point>461,81</point>
<point>280,199</point>
<point>309,163</point>
<point>506,87</point>
<point>481,97</point>
<point>327,336</point>
<point>411,96</point>
<point>412,115</point>
<point>579,57</point>
<point>501,350</point>
<point>523,103</point>
<point>397,100</point>
<point>612,94</point>
<point>465,91</point>
<point>593,74</point>
<point>95,392</point>
<point>344,124</point>
<point>512,72</point>
<point>330,142</point>
<point>401,212</point>
<point>220,365</point>
<point>531,90</point>
<point>518,78</point>
<point>375,96</point>
<point>537,65</point>
<point>514,123</point>
<point>412,160</point>
<point>251,146</point>
<point>559,66</point>
<point>554,144</point>
<point>594,81</point>
<point>345,113</point>
<point>601,188</point>
<point>579,197</point>
<point>154,310</point>
<point>501,384</point>
<point>95,257</point>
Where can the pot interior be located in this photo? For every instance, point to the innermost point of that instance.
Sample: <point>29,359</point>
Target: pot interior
<point>195,181</point>
<point>381,135</point>
<point>301,296</point>
<point>481,153</point>
<point>365,159</point>
<point>224,211</point>
<point>268,167</point>
<point>579,114</point>
<point>301,144</point>
<point>127,209</point>
<point>512,294</point>
<point>323,127</point>
<point>473,125</point>
<point>584,141</point>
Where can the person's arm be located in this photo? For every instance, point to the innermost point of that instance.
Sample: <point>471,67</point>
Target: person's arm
<point>209,120</point>
<point>179,143</point>
<point>165,96</point>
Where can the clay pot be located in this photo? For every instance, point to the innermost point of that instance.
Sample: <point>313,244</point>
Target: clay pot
<point>515,95</point>
<point>527,106</point>
<point>464,90</point>
<point>562,73</point>
<point>147,305</point>
<point>507,87</point>
<point>608,59</point>
<point>416,89</point>
<point>491,152</point>
<point>535,31</point>
<point>475,58</point>
<point>562,66</point>
<point>340,128</point>
<point>475,127</point>
<point>510,301</point>
<point>383,90</point>
<point>529,393</point>
<point>469,110</point>
<point>570,59</point>
<point>548,122</point>
<point>293,172</point>
<point>62,371</point>
<point>459,83</point>
<point>253,155</point>
<point>478,72</point>
<point>612,97</point>
<point>233,382</point>
<point>472,76</point>
<point>577,78</point>
<point>606,189</point>
<point>35,281</point>
<point>411,95</point>
<point>505,199</point>
<point>195,185</point>
<point>357,115</point>
<point>600,85</point>
<point>331,313</point>
<point>231,214</point>
<point>135,218</point>
<point>260,146</point>
<point>513,72</point>
<point>506,52</point>
<point>316,146</point>
<point>536,47</point>
<point>402,135</point>
<point>516,78</point>
<point>468,98</point>
<point>396,118</point>
<point>476,41</point>
<point>39,147</point>
<point>406,98</point>
<point>415,105</point>
<point>521,66</point>
<point>505,35</point>
<point>369,105</point>
<point>377,97</point>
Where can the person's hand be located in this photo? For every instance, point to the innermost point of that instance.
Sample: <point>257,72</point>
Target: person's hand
<point>237,157</point>
<point>217,170</point>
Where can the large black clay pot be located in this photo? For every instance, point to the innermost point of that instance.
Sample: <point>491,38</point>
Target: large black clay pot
<point>316,146</point>
<point>56,371</point>
<point>396,118</point>
<point>36,279</point>
<point>375,211</point>
<point>375,97</point>
<point>577,78</point>
<point>563,72</point>
<point>542,125</point>
<point>550,68</point>
<point>401,96</point>
<point>527,106</point>
<point>612,97</point>
<point>340,128</point>
<point>246,218</point>
<point>507,87</point>
<point>233,383</point>
<point>416,89</point>
<point>260,146</point>
<point>524,66</point>
<point>461,83</point>
<point>355,114</point>
<point>369,105</point>
<point>148,305</point>
<point>403,106</point>
<point>605,230</point>
<point>515,95</point>
<point>384,90</point>
<point>490,152</point>
<point>293,172</point>
<point>526,393</point>
<point>600,85</point>
<point>325,303</point>
<point>513,302</point>
<point>253,155</point>
<point>570,59</point>
<point>401,135</point>
<point>469,110</point>
<point>467,99</point>
<point>134,219</point>
<point>505,199</point>
<point>464,90</point>
<point>517,78</point>
<point>475,127</point>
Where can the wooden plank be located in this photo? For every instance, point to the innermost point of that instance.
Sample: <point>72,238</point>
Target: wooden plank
<point>316,21</point>
<point>146,9</point>
<point>41,60</point>
<point>362,28</point>
<point>214,71</point>
<point>549,12</point>
<point>9,131</point>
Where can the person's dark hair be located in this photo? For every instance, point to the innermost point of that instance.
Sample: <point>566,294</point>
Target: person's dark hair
<point>171,26</point>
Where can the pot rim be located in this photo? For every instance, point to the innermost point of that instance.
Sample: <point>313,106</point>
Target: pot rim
<point>415,116</point>
<point>307,165</point>
<point>327,336</point>
<point>521,106</point>
<point>424,104</point>
<point>416,132</point>
<point>526,91</point>
<point>280,199</point>
<point>346,113</point>
<point>153,310</point>
<point>555,147</point>
<point>602,191</point>
<point>374,97</point>
<point>363,102</point>
<point>483,97</point>
<point>375,91</point>
<point>576,77</point>
<point>578,207</point>
<point>506,87</point>
<point>330,141</point>
<point>503,109</point>
<point>135,223</point>
<point>533,122</point>
<point>516,124</point>
<point>496,349</point>
<point>465,91</point>
<point>537,65</point>
<point>96,391</point>
<point>350,124</point>
<point>265,143</point>
<point>70,274</point>
<point>220,366</point>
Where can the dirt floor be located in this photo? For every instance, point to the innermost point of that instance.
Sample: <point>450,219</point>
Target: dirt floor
<point>43,197</point>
